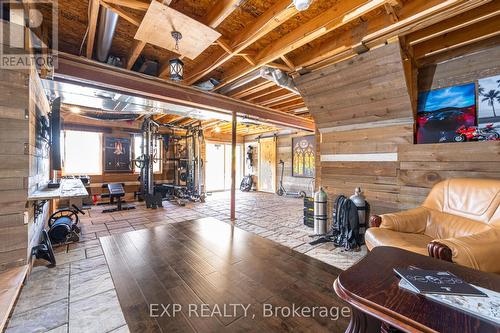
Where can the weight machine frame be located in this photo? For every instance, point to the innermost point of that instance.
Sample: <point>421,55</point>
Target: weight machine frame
<point>194,188</point>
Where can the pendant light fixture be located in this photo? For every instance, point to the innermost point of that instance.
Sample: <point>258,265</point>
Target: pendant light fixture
<point>176,64</point>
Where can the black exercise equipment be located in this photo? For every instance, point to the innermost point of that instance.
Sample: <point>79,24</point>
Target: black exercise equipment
<point>246,183</point>
<point>63,225</point>
<point>116,191</point>
<point>44,249</point>
<point>281,189</point>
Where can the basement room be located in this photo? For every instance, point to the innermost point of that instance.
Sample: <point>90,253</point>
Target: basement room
<point>249,166</point>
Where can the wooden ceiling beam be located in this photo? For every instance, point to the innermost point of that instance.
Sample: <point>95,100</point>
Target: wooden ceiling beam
<point>252,89</point>
<point>341,13</point>
<point>133,4</point>
<point>265,23</point>
<point>459,38</point>
<point>275,97</point>
<point>263,93</point>
<point>123,14</point>
<point>285,99</point>
<point>342,46</point>
<point>94,13</point>
<point>420,20</point>
<point>80,71</point>
<point>460,21</point>
<point>288,62</point>
<point>137,47</point>
<point>220,11</point>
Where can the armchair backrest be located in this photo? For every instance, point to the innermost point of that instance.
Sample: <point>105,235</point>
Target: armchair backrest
<point>474,199</point>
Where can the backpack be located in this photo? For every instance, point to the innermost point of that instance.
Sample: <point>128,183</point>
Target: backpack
<point>345,226</point>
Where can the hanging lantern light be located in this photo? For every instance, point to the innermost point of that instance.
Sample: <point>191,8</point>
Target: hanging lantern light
<point>176,65</point>
<point>176,69</point>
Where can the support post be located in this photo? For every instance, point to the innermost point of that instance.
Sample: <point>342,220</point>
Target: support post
<point>233,166</point>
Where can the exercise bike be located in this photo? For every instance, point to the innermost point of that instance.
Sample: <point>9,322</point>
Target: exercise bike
<point>282,190</point>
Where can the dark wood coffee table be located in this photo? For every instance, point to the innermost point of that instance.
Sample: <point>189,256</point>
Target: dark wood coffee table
<point>371,287</point>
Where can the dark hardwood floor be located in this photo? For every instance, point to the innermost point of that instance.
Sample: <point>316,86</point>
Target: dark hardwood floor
<point>204,266</point>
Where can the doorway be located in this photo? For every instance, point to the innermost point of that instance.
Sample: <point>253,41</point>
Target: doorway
<point>267,165</point>
<point>218,166</point>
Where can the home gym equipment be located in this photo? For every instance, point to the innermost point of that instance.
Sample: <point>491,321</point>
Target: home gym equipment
<point>116,192</point>
<point>281,189</point>
<point>320,212</point>
<point>188,182</point>
<point>44,249</point>
<point>247,181</point>
<point>63,225</point>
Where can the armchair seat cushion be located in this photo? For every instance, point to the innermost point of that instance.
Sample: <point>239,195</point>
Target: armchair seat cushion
<point>385,237</point>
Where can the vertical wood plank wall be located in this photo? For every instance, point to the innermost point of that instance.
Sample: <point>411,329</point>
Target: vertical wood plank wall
<point>363,108</point>
<point>24,166</point>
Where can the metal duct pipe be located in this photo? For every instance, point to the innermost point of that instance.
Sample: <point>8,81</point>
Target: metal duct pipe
<point>105,33</point>
<point>279,77</point>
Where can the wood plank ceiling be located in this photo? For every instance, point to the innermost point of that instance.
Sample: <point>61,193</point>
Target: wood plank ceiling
<point>256,33</point>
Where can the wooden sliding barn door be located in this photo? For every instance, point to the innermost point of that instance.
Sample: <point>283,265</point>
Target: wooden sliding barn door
<point>267,165</point>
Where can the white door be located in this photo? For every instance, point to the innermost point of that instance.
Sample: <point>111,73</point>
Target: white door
<point>218,166</point>
<point>215,165</point>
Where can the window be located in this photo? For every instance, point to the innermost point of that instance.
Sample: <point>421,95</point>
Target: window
<point>158,153</point>
<point>82,153</point>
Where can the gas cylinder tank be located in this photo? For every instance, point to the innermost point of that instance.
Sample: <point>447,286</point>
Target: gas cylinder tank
<point>320,211</point>
<point>359,200</point>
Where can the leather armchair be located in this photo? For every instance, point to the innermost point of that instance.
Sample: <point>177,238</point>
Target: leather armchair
<point>459,221</point>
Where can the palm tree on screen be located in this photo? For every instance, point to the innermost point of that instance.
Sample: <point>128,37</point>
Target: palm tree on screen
<point>490,97</point>
<point>480,90</point>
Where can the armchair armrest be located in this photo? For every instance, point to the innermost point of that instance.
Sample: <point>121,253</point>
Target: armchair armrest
<point>374,221</point>
<point>409,221</point>
<point>439,251</point>
<point>477,251</point>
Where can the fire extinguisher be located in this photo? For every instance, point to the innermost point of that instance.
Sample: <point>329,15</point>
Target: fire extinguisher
<point>363,212</point>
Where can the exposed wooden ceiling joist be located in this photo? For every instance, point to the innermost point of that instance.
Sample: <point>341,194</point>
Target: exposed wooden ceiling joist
<point>122,13</point>
<point>342,45</point>
<point>262,93</point>
<point>460,21</point>
<point>252,89</point>
<point>423,19</point>
<point>340,14</point>
<point>133,4</point>
<point>93,14</point>
<point>280,12</point>
<point>461,37</point>
<point>95,74</point>
<point>220,10</point>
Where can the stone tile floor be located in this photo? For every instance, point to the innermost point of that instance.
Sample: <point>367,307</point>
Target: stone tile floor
<point>78,294</point>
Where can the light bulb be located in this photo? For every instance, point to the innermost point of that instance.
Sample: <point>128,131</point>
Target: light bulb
<point>302,5</point>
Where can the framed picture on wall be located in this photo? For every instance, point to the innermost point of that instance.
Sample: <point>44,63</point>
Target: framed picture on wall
<point>304,156</point>
<point>443,113</point>
<point>117,154</point>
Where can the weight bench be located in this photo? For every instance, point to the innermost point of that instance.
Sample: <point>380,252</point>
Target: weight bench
<point>117,192</point>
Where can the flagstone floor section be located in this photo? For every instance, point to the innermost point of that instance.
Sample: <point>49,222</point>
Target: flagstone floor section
<point>78,294</point>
